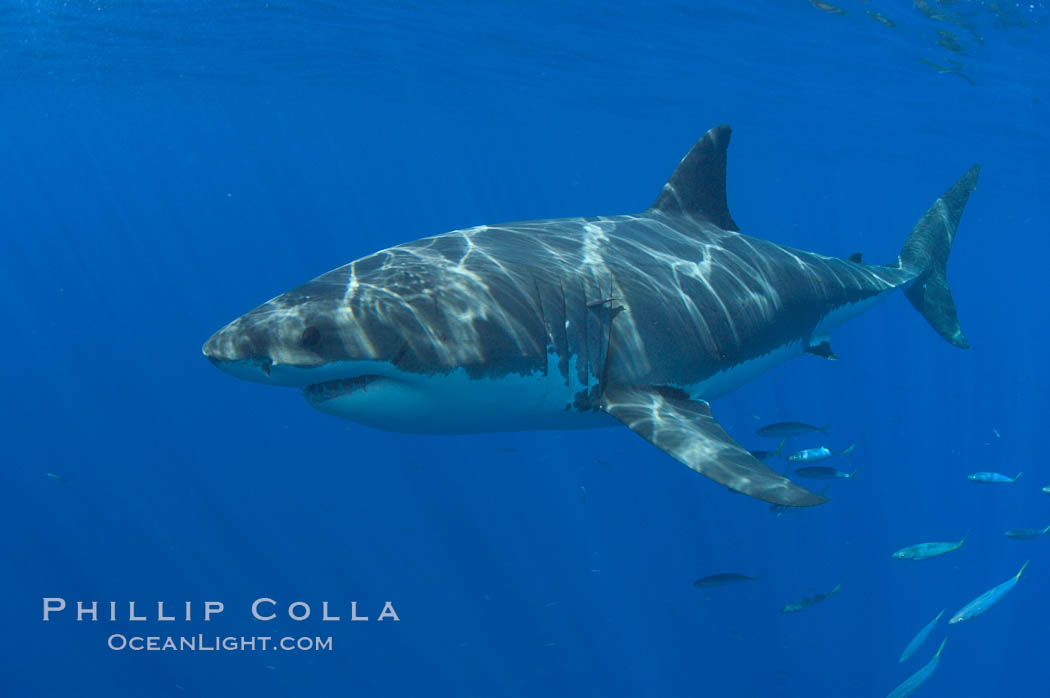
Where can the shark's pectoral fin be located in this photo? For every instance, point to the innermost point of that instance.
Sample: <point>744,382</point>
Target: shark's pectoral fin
<point>686,431</point>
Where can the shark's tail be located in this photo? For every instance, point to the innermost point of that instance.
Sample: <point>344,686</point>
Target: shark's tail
<point>926,253</point>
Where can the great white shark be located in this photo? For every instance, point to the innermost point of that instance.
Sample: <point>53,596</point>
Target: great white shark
<point>565,323</point>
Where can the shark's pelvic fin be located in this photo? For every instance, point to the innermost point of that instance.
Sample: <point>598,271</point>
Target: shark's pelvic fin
<point>823,350</point>
<point>926,252</point>
<point>698,186</point>
<point>686,431</point>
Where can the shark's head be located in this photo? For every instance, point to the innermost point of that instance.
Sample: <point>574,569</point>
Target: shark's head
<point>282,342</point>
<point>343,349</point>
<point>395,340</point>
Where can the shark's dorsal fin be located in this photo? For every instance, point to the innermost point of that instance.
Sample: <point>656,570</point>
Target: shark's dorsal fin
<point>698,186</point>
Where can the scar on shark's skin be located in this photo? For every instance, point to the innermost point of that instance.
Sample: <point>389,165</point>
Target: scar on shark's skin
<point>635,319</point>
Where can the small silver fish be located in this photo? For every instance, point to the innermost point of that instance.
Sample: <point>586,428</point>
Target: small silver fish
<point>56,477</point>
<point>920,638</point>
<point>993,477</point>
<point>950,70</point>
<point>814,455</point>
<point>924,551</point>
<point>766,455</point>
<point>722,579</point>
<point>823,472</point>
<point>879,17</point>
<point>809,601</point>
<point>827,7</point>
<point>949,41</point>
<point>785,430</point>
<point>913,683</point>
<point>988,599</point>
<point>1027,533</point>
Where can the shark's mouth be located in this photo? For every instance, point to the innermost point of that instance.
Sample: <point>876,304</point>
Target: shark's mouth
<point>322,392</point>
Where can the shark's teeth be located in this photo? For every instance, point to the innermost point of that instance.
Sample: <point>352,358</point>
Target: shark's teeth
<point>320,392</point>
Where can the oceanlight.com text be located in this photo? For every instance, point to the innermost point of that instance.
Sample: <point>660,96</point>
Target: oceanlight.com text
<point>217,643</point>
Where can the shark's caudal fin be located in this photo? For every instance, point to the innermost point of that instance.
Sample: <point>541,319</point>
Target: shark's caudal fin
<point>926,252</point>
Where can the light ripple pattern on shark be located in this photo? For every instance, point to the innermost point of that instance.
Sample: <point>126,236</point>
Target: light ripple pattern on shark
<point>583,322</point>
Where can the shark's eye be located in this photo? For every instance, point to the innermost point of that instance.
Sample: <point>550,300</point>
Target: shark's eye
<point>311,337</point>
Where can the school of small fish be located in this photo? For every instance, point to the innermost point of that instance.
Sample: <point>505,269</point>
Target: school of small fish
<point>953,33</point>
<point>914,553</point>
<point>955,38</point>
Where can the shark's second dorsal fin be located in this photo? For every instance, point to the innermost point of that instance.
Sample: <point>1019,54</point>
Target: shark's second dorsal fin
<point>698,186</point>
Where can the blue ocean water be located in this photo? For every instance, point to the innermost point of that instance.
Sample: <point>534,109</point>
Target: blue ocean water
<point>170,166</point>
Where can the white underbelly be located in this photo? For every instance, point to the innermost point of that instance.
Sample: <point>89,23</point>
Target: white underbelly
<point>455,403</point>
<point>729,379</point>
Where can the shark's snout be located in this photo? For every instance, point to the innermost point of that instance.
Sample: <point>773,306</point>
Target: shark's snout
<point>225,346</point>
<point>239,353</point>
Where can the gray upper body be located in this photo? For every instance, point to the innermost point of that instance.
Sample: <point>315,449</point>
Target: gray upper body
<point>580,322</point>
